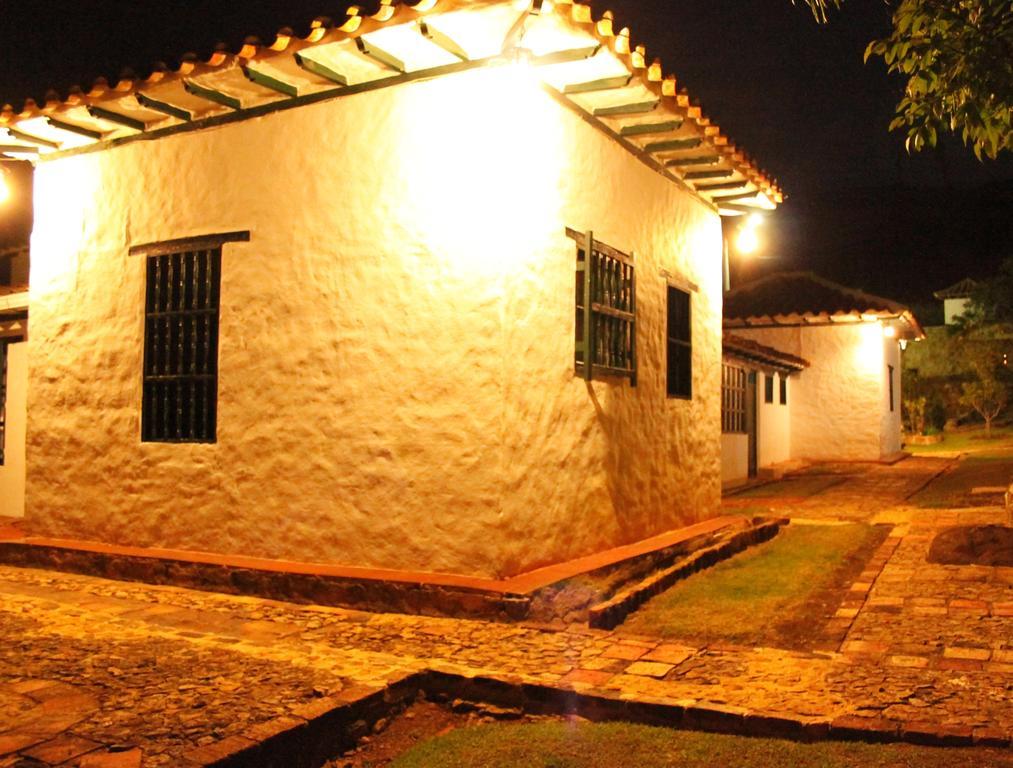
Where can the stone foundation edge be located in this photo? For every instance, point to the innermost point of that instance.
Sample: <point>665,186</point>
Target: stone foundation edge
<point>613,612</point>
<point>321,730</point>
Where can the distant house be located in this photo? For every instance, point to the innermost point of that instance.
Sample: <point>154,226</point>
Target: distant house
<point>755,407</point>
<point>845,398</point>
<point>955,299</point>
<point>436,289</point>
<point>13,379</point>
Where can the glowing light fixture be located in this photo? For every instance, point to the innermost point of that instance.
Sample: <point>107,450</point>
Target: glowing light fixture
<point>5,185</point>
<point>889,331</point>
<point>748,239</point>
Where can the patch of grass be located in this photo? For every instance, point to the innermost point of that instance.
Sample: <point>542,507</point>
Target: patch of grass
<point>624,745</point>
<point>779,593</point>
<point>800,487</point>
<point>970,441</point>
<point>953,487</point>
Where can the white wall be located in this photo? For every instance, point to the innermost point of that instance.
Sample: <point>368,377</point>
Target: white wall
<point>396,384</point>
<point>773,425</point>
<point>953,308</point>
<point>837,403</point>
<point>734,458</point>
<point>12,473</point>
<point>891,438</point>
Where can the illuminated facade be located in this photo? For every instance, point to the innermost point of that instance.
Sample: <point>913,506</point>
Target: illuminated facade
<point>353,328</point>
<point>846,405</point>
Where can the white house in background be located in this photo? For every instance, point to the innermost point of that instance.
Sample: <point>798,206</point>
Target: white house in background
<point>955,299</point>
<point>437,289</point>
<point>13,387</point>
<point>755,407</point>
<point>845,405</point>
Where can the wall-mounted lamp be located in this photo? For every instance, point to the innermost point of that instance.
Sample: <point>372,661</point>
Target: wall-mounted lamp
<point>889,331</point>
<point>748,240</point>
<point>5,184</point>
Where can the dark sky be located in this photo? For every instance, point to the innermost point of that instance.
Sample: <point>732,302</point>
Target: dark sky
<point>793,93</point>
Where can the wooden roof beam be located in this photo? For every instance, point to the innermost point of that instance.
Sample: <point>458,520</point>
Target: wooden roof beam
<point>38,141</point>
<point>268,81</point>
<point>636,107</point>
<point>648,128</point>
<point>78,130</point>
<point>156,105</point>
<point>211,94</point>
<point>673,145</point>
<point>108,115</point>
<point>717,173</point>
<point>320,70</point>
<point>689,162</point>
<point>727,185</point>
<point>600,84</point>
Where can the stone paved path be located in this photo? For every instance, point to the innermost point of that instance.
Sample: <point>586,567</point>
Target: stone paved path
<point>104,674</point>
<point>870,492</point>
<point>163,672</point>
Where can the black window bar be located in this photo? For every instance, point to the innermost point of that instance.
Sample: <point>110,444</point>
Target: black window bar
<point>606,327</point>
<point>3,399</point>
<point>181,347</point>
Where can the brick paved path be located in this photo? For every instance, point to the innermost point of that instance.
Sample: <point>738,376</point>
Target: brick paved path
<point>170,673</point>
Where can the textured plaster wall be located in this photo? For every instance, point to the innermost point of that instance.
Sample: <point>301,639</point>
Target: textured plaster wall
<point>396,360</point>
<point>734,458</point>
<point>890,434</point>
<point>837,403</point>
<point>12,472</point>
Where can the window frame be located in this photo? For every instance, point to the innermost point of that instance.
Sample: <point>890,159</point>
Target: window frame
<point>683,343</point>
<point>734,390</point>
<point>890,373</point>
<point>180,337</point>
<point>768,388</point>
<point>783,390</point>
<point>605,333</point>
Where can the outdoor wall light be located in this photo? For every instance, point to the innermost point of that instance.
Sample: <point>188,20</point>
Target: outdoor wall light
<point>5,184</point>
<point>748,240</point>
<point>889,331</point>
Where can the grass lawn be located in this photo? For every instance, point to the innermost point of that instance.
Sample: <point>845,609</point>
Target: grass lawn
<point>969,441</point>
<point>953,488</point>
<point>779,593</point>
<point>623,745</point>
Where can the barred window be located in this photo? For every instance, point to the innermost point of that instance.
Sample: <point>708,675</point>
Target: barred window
<point>181,347</point>
<point>679,379</point>
<point>768,388</point>
<point>3,399</point>
<point>784,389</point>
<point>606,308</point>
<point>733,399</point>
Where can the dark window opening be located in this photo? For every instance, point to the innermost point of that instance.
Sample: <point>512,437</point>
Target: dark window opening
<point>679,379</point>
<point>733,399</point>
<point>606,308</point>
<point>784,389</point>
<point>180,399</point>
<point>890,374</point>
<point>768,388</point>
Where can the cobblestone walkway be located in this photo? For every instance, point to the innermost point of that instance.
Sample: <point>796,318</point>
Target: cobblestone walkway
<point>870,492</point>
<point>168,673</point>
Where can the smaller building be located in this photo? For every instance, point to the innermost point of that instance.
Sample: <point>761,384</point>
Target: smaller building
<point>955,299</point>
<point>755,407</point>
<point>845,405</point>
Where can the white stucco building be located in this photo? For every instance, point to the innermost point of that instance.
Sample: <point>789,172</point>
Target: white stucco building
<point>845,404</point>
<point>955,299</point>
<point>13,390</point>
<point>437,289</point>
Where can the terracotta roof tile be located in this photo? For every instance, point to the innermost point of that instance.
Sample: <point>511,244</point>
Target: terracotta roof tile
<point>803,298</point>
<point>737,346</point>
<point>260,75</point>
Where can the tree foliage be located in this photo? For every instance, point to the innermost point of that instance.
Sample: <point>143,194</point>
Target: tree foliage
<point>957,56</point>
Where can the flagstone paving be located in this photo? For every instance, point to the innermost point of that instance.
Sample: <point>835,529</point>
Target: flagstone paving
<point>97,673</point>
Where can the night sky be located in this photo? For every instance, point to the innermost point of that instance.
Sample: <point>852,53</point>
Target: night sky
<point>794,94</point>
